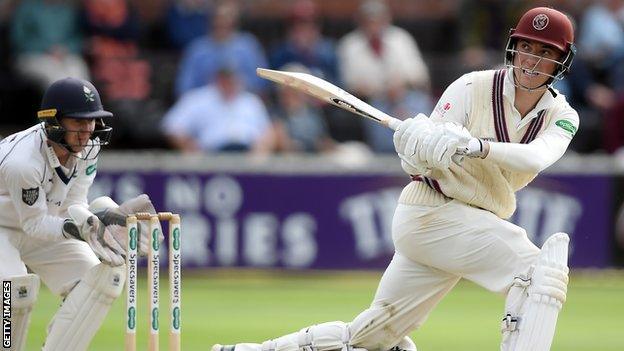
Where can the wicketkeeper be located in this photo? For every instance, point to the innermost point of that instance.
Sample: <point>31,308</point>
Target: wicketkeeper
<point>450,222</point>
<point>47,226</point>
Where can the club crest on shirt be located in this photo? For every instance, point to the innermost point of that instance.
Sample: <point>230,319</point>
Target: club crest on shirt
<point>30,196</point>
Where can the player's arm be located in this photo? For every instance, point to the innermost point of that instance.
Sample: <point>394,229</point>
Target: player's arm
<point>539,154</point>
<point>453,105</point>
<point>24,186</point>
<point>23,181</point>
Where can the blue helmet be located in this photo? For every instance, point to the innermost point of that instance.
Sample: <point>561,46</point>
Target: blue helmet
<point>73,98</point>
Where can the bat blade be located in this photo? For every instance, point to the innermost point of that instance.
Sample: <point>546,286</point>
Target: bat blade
<point>327,92</point>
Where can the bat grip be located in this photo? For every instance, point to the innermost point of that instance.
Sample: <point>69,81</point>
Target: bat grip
<point>459,156</point>
<point>393,123</point>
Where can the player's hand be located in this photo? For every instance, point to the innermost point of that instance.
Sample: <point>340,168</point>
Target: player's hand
<point>476,148</point>
<point>410,132</point>
<point>114,217</point>
<point>406,139</point>
<point>411,166</point>
<point>84,225</point>
<point>457,131</point>
<point>437,148</point>
<point>468,145</point>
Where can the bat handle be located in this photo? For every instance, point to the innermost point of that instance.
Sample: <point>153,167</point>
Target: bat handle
<point>459,156</point>
<point>392,123</point>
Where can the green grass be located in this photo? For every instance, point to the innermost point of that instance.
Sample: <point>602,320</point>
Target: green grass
<point>229,306</point>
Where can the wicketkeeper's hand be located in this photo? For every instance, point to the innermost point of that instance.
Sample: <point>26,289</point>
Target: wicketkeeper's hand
<point>114,217</point>
<point>84,225</point>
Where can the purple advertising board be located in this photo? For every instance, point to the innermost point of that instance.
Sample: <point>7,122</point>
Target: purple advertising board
<point>339,221</point>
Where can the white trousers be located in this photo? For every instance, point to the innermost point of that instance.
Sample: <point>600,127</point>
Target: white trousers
<point>435,247</point>
<point>59,264</point>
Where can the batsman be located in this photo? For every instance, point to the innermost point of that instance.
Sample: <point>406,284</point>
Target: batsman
<point>451,220</point>
<point>49,231</point>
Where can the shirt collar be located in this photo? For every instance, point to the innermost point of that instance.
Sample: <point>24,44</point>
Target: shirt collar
<point>509,90</point>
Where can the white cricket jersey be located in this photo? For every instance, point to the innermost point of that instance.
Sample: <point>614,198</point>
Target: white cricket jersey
<point>456,105</point>
<point>520,148</point>
<point>35,190</point>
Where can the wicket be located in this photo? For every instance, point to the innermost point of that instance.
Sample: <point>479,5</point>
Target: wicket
<point>153,273</point>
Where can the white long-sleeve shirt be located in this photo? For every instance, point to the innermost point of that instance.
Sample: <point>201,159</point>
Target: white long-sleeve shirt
<point>549,145</point>
<point>35,190</point>
<point>520,148</point>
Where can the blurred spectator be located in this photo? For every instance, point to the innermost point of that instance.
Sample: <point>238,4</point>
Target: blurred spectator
<point>187,20</point>
<point>113,30</point>
<point>601,37</point>
<point>376,51</point>
<point>19,97</point>
<point>218,117</point>
<point>47,41</point>
<point>483,29</point>
<point>398,102</point>
<point>6,10</point>
<point>299,126</point>
<point>375,59</point>
<point>601,49</point>
<point>305,44</point>
<point>596,77</point>
<point>613,140</point>
<point>110,19</point>
<point>224,44</point>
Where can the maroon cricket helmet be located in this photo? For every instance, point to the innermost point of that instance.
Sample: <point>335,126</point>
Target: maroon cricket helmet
<point>548,26</point>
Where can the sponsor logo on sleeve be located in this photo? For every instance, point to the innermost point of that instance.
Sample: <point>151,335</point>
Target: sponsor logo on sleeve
<point>442,108</point>
<point>30,196</point>
<point>92,168</point>
<point>566,125</point>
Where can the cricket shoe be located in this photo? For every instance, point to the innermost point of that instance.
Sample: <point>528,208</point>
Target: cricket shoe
<point>219,347</point>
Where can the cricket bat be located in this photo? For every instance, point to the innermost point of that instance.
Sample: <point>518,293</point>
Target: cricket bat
<point>326,91</point>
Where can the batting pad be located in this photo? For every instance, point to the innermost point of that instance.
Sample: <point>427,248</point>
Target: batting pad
<point>24,291</point>
<point>85,308</point>
<point>533,328</point>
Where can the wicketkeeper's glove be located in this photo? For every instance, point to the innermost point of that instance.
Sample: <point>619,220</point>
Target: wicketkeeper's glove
<point>114,217</point>
<point>84,225</point>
